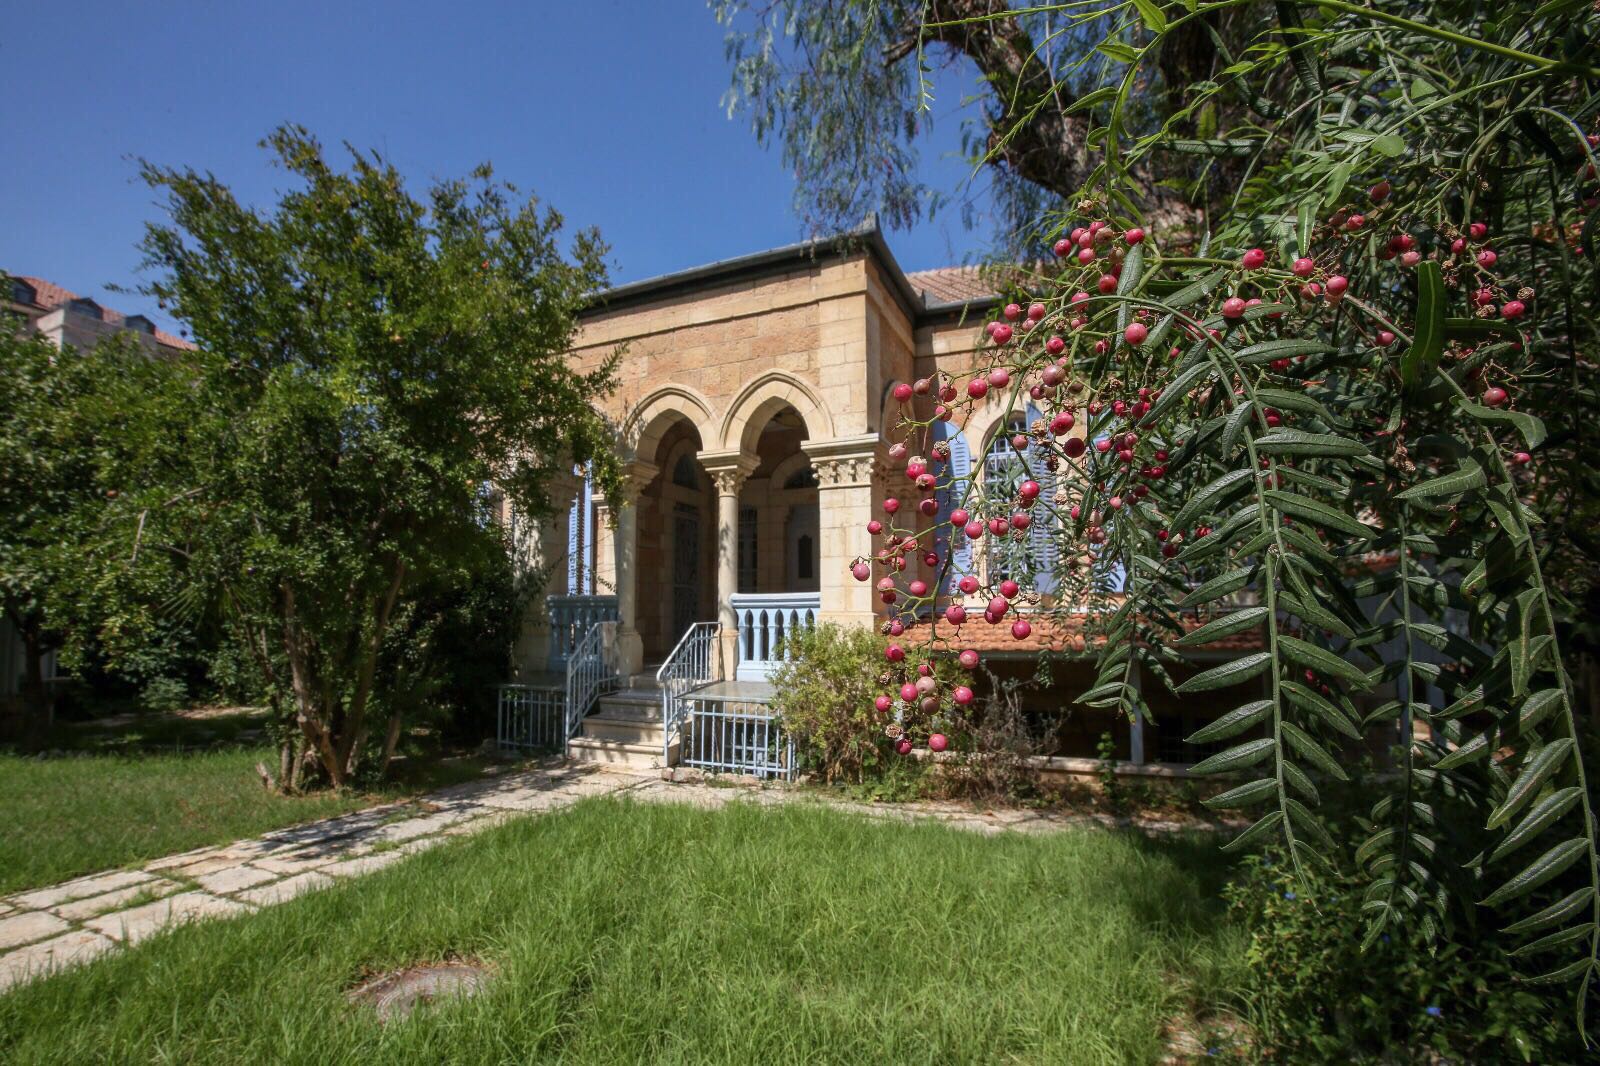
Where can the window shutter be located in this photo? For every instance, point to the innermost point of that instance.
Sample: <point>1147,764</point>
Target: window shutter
<point>574,547</point>
<point>586,541</point>
<point>953,476</point>
<point>1042,533</point>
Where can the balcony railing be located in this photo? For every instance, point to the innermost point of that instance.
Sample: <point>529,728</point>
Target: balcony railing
<point>571,618</point>
<point>764,619</point>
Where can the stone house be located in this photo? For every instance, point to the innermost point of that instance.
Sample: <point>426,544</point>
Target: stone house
<point>755,414</point>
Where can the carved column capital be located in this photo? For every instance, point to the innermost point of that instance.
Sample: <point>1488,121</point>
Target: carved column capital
<point>845,461</point>
<point>636,475</point>
<point>728,470</point>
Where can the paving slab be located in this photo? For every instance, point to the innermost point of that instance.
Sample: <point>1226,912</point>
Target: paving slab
<point>132,926</point>
<point>478,824</point>
<point>93,885</point>
<point>234,879</point>
<point>295,862</point>
<point>287,889</point>
<point>94,906</point>
<point>364,865</point>
<point>36,960</point>
<point>201,867</point>
<point>184,858</point>
<point>29,926</point>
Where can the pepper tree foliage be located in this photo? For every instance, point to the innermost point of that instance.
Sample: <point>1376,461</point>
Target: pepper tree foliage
<point>369,363</point>
<point>842,86</point>
<point>1351,412</point>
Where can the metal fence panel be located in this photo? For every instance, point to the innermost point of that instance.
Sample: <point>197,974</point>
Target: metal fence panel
<point>531,719</point>
<point>736,737</point>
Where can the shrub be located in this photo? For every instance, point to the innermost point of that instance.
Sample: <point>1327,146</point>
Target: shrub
<point>825,693</point>
<point>989,750</point>
<point>164,694</point>
<point>1315,996</point>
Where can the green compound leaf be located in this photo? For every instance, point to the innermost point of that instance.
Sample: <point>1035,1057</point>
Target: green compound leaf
<point>1427,341</point>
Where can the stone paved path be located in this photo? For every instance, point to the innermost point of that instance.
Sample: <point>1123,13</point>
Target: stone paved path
<point>79,920</point>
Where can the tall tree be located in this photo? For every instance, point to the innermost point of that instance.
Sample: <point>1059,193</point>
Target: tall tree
<point>44,475</point>
<point>842,85</point>
<point>369,362</point>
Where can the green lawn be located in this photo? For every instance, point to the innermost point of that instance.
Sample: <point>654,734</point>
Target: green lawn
<point>625,932</point>
<point>150,786</point>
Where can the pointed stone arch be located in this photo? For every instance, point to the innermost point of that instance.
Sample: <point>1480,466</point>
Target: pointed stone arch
<point>650,419</point>
<point>748,412</point>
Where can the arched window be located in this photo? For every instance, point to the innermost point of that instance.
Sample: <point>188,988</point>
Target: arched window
<point>805,548</point>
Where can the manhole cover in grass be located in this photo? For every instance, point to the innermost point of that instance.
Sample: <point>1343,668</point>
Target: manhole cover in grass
<point>395,994</point>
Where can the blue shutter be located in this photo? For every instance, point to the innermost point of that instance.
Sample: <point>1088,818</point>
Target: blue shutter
<point>586,541</point>
<point>953,477</point>
<point>1041,535</point>
<point>574,546</point>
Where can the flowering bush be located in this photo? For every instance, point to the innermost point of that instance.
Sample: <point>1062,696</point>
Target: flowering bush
<point>1339,399</point>
<point>823,694</point>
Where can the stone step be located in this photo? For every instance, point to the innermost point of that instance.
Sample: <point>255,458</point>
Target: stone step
<point>617,753</point>
<point>631,730</point>
<point>631,706</point>
<point>633,695</point>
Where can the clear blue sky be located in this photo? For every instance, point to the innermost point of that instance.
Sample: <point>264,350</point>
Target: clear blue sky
<point>608,109</point>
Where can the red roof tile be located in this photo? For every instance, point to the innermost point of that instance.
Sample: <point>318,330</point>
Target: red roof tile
<point>1054,634</point>
<point>954,284</point>
<point>48,296</point>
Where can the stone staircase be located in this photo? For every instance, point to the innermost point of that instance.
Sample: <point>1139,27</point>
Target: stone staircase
<point>624,730</point>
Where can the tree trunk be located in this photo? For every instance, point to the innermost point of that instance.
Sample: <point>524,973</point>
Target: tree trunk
<point>1032,131</point>
<point>311,711</point>
<point>355,726</point>
<point>35,693</point>
<point>390,741</point>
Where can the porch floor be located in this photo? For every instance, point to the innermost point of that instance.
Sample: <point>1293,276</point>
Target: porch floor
<point>734,692</point>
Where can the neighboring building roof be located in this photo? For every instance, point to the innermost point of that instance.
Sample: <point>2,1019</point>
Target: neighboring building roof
<point>925,294</point>
<point>950,285</point>
<point>48,296</point>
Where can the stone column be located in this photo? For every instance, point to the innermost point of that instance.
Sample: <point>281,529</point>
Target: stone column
<point>728,472</point>
<point>541,549</point>
<point>625,543</point>
<point>845,505</point>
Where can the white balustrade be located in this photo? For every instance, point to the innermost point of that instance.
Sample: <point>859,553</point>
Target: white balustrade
<point>764,619</point>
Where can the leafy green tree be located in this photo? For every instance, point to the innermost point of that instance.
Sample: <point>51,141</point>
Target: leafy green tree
<point>70,422</point>
<point>369,364</point>
<point>45,473</point>
<point>1353,414</point>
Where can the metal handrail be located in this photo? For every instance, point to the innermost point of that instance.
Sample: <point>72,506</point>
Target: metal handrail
<point>591,671</point>
<point>689,664</point>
